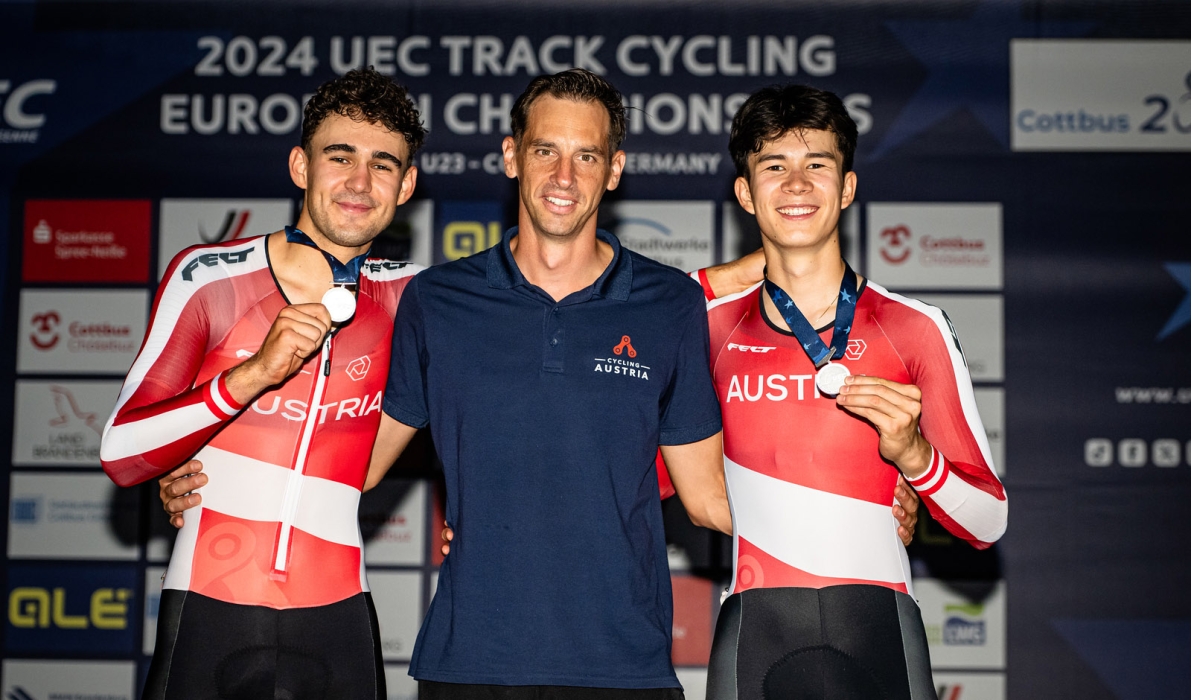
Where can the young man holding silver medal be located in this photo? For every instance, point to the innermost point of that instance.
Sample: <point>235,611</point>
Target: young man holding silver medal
<point>256,363</point>
<point>830,388</point>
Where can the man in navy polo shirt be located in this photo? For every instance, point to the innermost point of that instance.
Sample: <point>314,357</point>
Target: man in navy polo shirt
<point>550,368</point>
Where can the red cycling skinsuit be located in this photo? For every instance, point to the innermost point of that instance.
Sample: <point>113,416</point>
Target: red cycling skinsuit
<point>811,494</point>
<point>278,524</point>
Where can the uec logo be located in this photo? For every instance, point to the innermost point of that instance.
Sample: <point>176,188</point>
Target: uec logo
<point>14,112</point>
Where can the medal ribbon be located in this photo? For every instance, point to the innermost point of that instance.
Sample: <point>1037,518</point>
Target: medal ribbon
<point>340,273</point>
<point>846,306</point>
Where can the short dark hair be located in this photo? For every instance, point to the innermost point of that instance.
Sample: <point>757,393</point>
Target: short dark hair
<point>365,95</point>
<point>773,111</point>
<point>579,85</point>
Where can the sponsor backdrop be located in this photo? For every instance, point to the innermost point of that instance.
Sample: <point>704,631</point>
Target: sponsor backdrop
<point>1022,164</point>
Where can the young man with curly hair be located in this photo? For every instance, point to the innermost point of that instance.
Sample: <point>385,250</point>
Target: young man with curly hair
<point>257,362</point>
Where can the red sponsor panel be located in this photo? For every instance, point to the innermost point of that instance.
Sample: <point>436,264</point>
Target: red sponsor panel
<point>692,627</point>
<point>86,240</point>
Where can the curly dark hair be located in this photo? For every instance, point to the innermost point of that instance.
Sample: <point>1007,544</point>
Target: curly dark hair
<point>577,84</point>
<point>773,111</point>
<point>369,96</point>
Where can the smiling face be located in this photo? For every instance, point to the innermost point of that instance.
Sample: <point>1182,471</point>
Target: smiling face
<point>796,189</point>
<point>355,176</point>
<point>563,166</point>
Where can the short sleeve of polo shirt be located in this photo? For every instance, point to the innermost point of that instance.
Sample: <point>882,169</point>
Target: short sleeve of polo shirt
<point>405,393</point>
<point>690,410</point>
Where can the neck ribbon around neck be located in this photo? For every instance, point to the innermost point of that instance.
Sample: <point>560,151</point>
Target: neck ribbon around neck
<point>846,306</point>
<point>340,273</point>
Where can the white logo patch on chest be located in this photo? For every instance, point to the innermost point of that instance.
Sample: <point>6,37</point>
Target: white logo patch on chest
<point>358,369</point>
<point>625,368</point>
<point>856,348</point>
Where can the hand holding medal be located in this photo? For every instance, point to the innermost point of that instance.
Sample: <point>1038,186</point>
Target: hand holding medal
<point>893,409</point>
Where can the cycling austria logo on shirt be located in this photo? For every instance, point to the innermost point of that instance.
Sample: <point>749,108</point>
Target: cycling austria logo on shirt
<point>622,361</point>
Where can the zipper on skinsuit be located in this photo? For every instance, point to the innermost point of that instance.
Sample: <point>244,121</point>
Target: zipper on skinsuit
<point>289,507</point>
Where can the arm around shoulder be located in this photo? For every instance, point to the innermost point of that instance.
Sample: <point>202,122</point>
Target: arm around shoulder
<point>736,276</point>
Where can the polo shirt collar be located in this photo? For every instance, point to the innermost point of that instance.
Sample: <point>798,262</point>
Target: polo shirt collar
<point>614,283</point>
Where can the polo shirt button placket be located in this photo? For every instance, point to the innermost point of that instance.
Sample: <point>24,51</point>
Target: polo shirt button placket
<point>552,360</point>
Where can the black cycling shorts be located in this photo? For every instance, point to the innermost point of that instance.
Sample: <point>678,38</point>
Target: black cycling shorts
<point>209,649</point>
<point>854,642</point>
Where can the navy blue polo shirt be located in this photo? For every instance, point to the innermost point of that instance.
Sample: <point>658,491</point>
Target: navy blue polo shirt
<point>546,416</point>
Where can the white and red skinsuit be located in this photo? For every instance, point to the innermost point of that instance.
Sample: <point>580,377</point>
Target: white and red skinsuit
<point>809,490</point>
<point>278,525</point>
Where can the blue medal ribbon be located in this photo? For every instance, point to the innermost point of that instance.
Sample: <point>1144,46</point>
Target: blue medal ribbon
<point>846,306</point>
<point>340,273</point>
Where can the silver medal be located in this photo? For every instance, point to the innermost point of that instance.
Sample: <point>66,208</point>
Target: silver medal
<point>830,378</point>
<point>340,303</point>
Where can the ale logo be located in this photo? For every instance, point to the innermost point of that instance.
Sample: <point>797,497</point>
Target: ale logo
<point>464,238</point>
<point>468,227</point>
<point>32,607</point>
